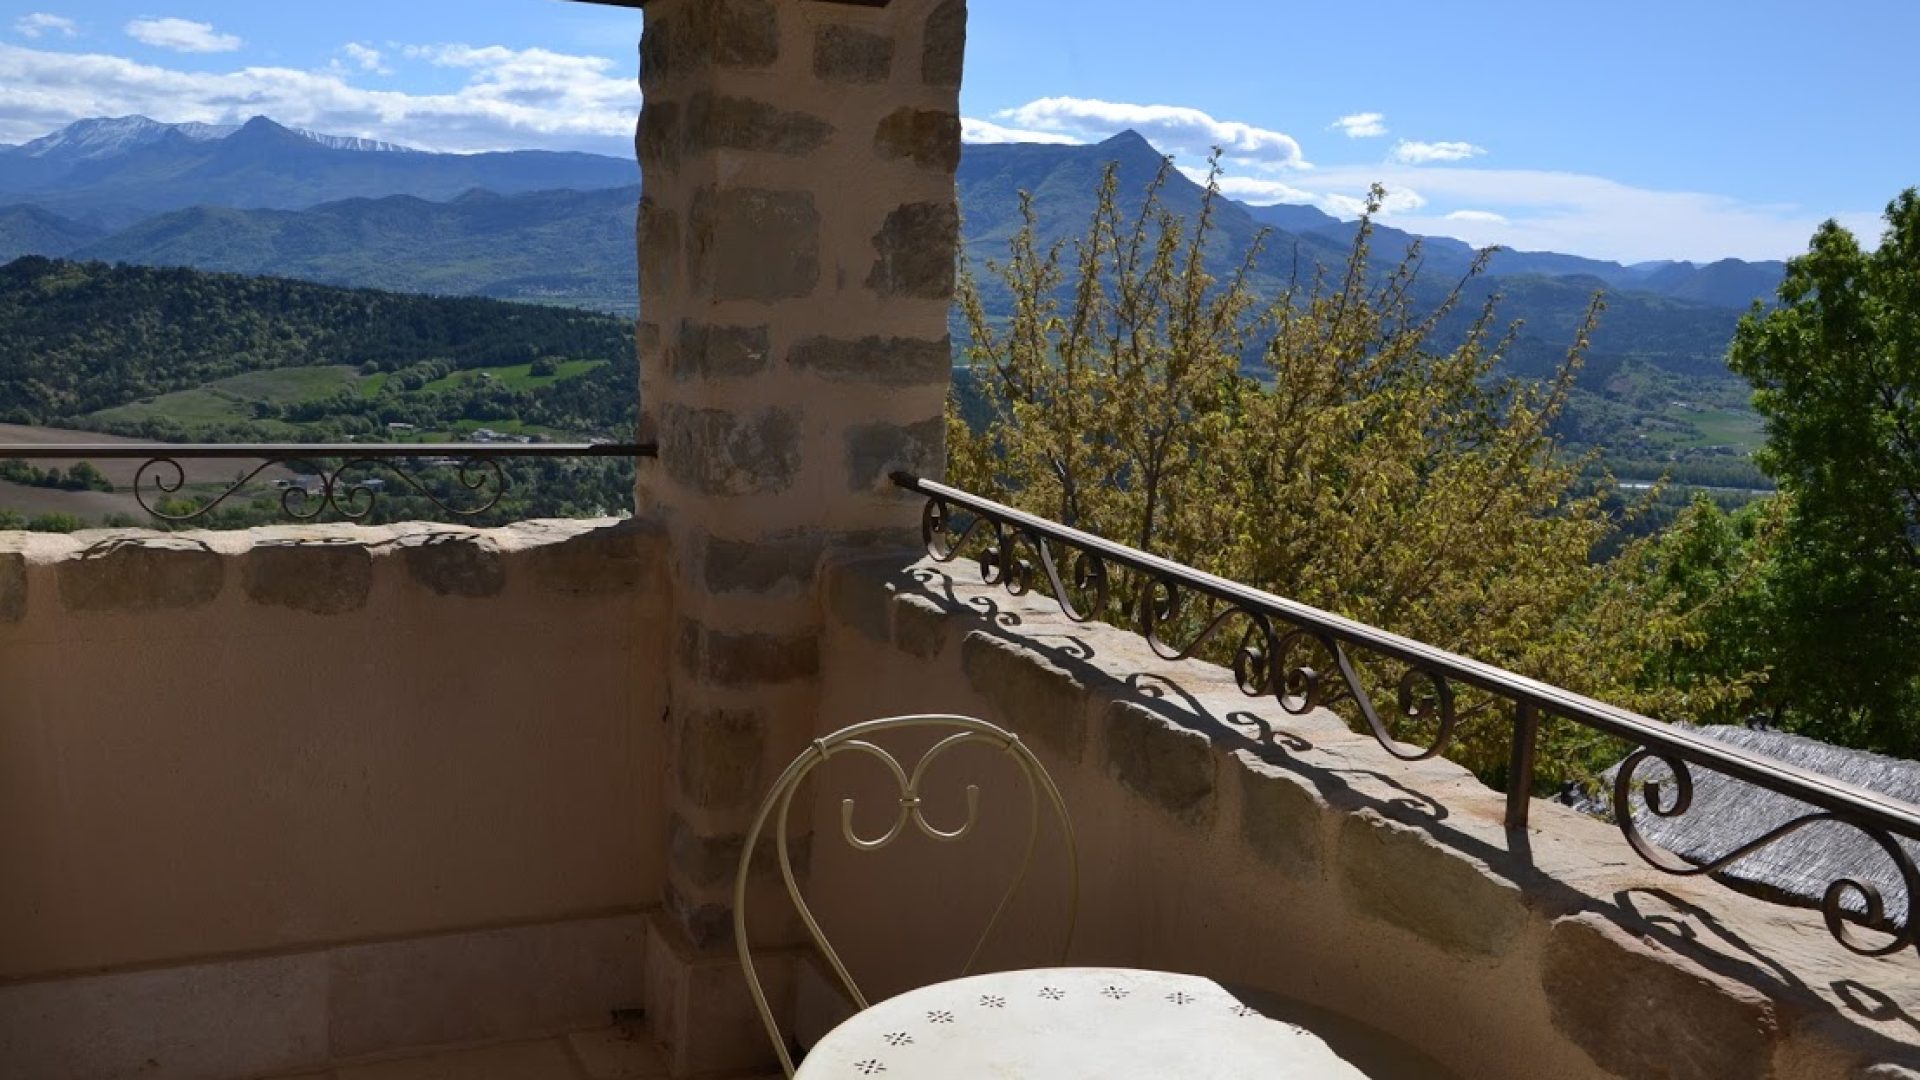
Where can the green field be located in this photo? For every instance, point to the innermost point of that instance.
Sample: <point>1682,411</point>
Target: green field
<point>515,376</point>
<point>231,400</point>
<point>1727,427</point>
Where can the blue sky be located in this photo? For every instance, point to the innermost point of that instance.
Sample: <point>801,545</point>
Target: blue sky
<point>1692,129</point>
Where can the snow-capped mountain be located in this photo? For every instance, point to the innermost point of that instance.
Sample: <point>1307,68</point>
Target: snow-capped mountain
<point>108,137</point>
<point>354,142</point>
<point>105,137</point>
<point>112,173</point>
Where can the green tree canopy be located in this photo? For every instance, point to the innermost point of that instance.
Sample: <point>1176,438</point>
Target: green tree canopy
<point>1836,372</point>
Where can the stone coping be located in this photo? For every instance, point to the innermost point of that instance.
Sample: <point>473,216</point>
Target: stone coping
<point>1647,973</point>
<point>317,569</point>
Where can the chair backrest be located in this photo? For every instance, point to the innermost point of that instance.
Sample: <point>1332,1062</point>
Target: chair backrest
<point>962,730</point>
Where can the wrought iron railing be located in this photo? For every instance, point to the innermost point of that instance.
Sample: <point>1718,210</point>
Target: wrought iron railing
<point>346,478</point>
<point>1023,552</point>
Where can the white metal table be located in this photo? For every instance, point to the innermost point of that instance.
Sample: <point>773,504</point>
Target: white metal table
<point>1071,1024</point>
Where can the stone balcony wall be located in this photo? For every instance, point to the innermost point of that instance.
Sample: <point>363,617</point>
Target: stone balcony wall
<point>1291,857</point>
<point>280,798</point>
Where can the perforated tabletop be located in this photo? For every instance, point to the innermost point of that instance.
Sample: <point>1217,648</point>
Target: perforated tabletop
<point>1072,1024</point>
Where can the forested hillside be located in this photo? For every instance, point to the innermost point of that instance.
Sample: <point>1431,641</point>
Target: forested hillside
<point>80,337</point>
<point>568,247</point>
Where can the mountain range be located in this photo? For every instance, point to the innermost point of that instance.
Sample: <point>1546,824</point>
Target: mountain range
<point>112,173</point>
<point>263,198</point>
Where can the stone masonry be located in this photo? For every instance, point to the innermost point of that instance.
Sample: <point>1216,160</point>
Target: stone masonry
<point>797,239</point>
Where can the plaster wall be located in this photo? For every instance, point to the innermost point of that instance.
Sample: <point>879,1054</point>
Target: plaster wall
<point>230,744</point>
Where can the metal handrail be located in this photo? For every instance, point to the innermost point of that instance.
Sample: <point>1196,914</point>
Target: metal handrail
<point>1275,628</point>
<point>478,464</point>
<point>302,451</point>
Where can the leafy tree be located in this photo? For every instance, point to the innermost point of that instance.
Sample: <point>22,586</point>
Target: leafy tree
<point>1836,372</point>
<point>1318,445</point>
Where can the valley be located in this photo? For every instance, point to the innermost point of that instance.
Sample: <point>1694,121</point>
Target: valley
<point>302,215</point>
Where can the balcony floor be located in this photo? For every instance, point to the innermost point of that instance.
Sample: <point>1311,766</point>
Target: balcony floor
<point>603,1054</point>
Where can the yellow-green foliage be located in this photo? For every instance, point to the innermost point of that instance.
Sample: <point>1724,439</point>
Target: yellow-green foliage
<point>1359,469</point>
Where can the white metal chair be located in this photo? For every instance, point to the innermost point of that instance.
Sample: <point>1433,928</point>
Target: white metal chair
<point>855,739</point>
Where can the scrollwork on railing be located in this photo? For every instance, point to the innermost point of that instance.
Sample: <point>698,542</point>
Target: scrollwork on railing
<point>1304,658</point>
<point>1020,559</point>
<point>343,489</point>
<point>1841,921</point>
<point>478,484</point>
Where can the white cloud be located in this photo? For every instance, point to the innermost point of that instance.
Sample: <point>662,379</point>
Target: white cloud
<point>1421,153</point>
<point>1173,128</point>
<point>510,99</point>
<point>36,23</point>
<point>182,35</point>
<point>366,57</point>
<point>1396,201</point>
<point>1585,215</point>
<point>1363,125</point>
<point>986,131</point>
<point>1255,190</point>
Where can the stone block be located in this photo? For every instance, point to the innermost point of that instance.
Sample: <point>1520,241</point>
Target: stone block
<point>1031,694</point>
<point>698,1007</point>
<point>13,586</point>
<point>1404,876</point>
<point>707,924</point>
<point>718,754</point>
<point>317,578</point>
<point>722,122</point>
<point>1172,766</point>
<point>712,863</point>
<point>1638,1010</point>
<point>706,862</point>
<point>708,351</point>
<point>150,574</point>
<point>876,451</point>
<point>647,341</point>
<point>1280,820</point>
<point>943,48</point>
<point>890,361</point>
<point>456,564</point>
<point>929,137</point>
<point>657,137</point>
<point>742,658</point>
<point>754,243</point>
<point>493,984</point>
<point>747,657</point>
<point>615,1053</point>
<point>544,1059</point>
<point>727,33</point>
<point>915,251</point>
<point>659,247</point>
<point>848,54</point>
<point>776,565</point>
<point>717,452</point>
<point>920,626</point>
<point>255,1017</point>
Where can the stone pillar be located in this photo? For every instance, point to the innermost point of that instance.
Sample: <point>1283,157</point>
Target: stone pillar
<point>797,239</point>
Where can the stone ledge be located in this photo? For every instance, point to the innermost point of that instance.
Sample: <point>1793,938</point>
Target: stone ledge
<point>272,1015</point>
<point>319,570</point>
